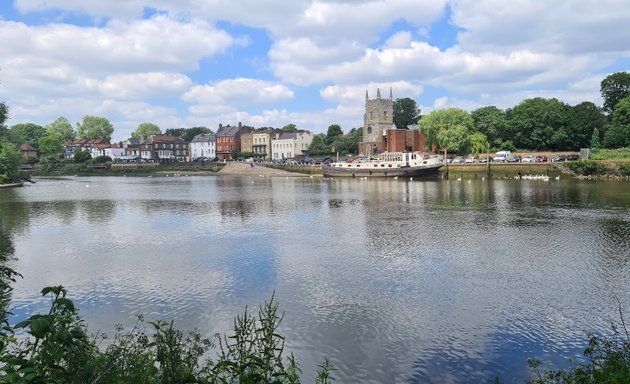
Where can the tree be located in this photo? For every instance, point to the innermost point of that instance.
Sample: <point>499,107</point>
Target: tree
<point>4,115</point>
<point>318,146</point>
<point>28,133</point>
<point>9,161</point>
<point>290,128</point>
<point>478,143</point>
<point>194,131</point>
<point>614,88</point>
<point>405,113</point>
<point>584,119</point>
<point>618,131</point>
<point>82,157</point>
<point>595,140</point>
<point>447,129</point>
<point>334,131</point>
<point>95,128</point>
<point>62,128</point>
<point>187,134</point>
<point>539,123</point>
<point>145,129</point>
<point>492,122</point>
<point>50,144</point>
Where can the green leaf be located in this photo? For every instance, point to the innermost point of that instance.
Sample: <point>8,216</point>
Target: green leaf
<point>40,327</point>
<point>23,324</point>
<point>66,303</point>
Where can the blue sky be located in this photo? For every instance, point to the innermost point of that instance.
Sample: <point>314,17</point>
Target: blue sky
<point>188,63</point>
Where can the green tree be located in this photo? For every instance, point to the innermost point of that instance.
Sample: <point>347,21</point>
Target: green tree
<point>318,146</point>
<point>10,159</point>
<point>618,131</point>
<point>177,132</point>
<point>145,129</point>
<point>27,133</point>
<point>405,113</point>
<point>4,115</point>
<point>290,128</point>
<point>190,133</point>
<point>478,143</point>
<point>492,122</point>
<point>334,131</point>
<point>539,123</point>
<point>447,129</point>
<point>584,119</point>
<point>82,157</point>
<point>595,140</point>
<point>62,128</point>
<point>614,88</point>
<point>50,144</point>
<point>95,128</point>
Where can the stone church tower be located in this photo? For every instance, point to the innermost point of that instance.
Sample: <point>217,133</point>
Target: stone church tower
<point>379,117</point>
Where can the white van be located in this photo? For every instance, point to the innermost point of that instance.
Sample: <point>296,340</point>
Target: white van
<point>502,156</point>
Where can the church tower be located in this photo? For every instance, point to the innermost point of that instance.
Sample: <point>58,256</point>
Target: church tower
<point>379,117</point>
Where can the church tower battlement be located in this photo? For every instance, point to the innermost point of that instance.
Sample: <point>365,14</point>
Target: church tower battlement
<point>379,117</point>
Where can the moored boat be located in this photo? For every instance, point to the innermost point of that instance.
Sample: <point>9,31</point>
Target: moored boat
<point>388,164</point>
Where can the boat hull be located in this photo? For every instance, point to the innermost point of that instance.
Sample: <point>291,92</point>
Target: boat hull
<point>424,171</point>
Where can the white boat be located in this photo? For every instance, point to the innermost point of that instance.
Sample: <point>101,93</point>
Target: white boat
<point>388,164</point>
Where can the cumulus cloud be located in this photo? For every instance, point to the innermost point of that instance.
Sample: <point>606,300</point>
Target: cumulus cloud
<point>234,93</point>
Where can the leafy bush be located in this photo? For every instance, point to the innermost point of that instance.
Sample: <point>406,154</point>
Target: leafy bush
<point>624,169</point>
<point>611,154</point>
<point>587,167</point>
<point>81,157</point>
<point>102,159</point>
<point>57,349</point>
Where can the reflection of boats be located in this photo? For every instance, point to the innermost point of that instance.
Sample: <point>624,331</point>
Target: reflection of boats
<point>388,164</point>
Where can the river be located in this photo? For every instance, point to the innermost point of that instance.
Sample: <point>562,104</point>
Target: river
<point>394,281</point>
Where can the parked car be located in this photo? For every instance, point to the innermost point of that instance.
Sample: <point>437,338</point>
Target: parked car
<point>290,162</point>
<point>484,159</point>
<point>458,160</point>
<point>528,159</point>
<point>559,159</point>
<point>470,160</point>
<point>514,159</point>
<point>573,157</point>
<point>541,159</point>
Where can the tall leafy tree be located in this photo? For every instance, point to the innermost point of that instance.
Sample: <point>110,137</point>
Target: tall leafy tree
<point>491,122</point>
<point>50,144</point>
<point>447,129</point>
<point>334,131</point>
<point>9,160</point>
<point>145,129</point>
<point>290,128</point>
<point>539,123</point>
<point>27,133</point>
<point>618,131</point>
<point>4,115</point>
<point>95,128</point>
<point>187,134</point>
<point>405,112</point>
<point>614,88</point>
<point>478,143</point>
<point>318,146</point>
<point>584,119</point>
<point>62,128</point>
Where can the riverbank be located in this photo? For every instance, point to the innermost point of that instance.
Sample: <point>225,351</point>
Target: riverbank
<point>12,185</point>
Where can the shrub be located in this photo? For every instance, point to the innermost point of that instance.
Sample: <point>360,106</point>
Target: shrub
<point>81,157</point>
<point>102,159</point>
<point>586,167</point>
<point>624,169</point>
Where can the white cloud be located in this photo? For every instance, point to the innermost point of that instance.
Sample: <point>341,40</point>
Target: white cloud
<point>231,94</point>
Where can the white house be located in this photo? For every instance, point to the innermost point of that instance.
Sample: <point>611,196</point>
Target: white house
<point>203,145</point>
<point>288,144</point>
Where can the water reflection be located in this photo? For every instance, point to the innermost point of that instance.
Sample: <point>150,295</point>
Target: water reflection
<point>393,280</point>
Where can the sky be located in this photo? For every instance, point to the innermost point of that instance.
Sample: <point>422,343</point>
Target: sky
<point>269,63</point>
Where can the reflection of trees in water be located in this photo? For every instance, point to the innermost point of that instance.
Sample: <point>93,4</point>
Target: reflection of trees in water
<point>614,248</point>
<point>98,211</point>
<point>64,210</point>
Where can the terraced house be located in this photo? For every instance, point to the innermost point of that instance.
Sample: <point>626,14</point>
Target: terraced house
<point>164,148</point>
